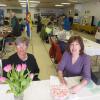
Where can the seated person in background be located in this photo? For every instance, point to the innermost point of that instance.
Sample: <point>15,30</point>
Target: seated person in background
<point>97,35</point>
<point>75,62</point>
<point>22,57</point>
<point>61,33</point>
<point>49,31</point>
<point>55,51</point>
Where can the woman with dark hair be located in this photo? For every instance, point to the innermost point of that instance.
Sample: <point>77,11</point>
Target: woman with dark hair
<point>75,62</point>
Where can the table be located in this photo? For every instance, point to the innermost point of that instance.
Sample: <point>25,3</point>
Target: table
<point>87,28</point>
<point>40,90</point>
<point>4,32</point>
<point>91,48</point>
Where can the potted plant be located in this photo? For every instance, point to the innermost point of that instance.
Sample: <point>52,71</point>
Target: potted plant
<point>18,78</point>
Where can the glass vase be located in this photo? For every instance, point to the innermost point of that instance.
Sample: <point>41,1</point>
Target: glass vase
<point>18,97</point>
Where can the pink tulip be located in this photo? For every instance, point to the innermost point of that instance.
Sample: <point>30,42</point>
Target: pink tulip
<point>23,66</point>
<point>8,68</point>
<point>2,79</point>
<point>31,75</point>
<point>18,67</point>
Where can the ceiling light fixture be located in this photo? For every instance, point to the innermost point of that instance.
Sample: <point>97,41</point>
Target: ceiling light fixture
<point>65,3</point>
<point>22,3</point>
<point>73,0</point>
<point>3,5</point>
<point>59,5</point>
<point>30,6</point>
<point>29,1</point>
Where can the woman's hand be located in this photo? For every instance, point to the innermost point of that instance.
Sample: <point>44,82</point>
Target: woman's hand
<point>61,78</point>
<point>63,81</point>
<point>76,88</point>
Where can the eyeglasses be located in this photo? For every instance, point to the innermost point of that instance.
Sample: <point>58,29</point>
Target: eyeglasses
<point>22,46</point>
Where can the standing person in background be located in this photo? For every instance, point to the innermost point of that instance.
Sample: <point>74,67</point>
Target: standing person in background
<point>22,57</point>
<point>67,23</point>
<point>15,25</point>
<point>75,62</point>
<point>39,24</point>
<point>97,35</point>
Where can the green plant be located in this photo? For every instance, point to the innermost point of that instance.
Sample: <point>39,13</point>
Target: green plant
<point>18,78</point>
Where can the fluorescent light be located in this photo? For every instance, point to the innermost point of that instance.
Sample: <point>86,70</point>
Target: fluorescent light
<point>25,6</point>
<point>35,1</point>
<point>29,1</point>
<point>65,3</point>
<point>29,4</point>
<point>3,5</point>
<point>22,3</point>
<point>73,0</point>
<point>59,5</point>
<point>32,5</point>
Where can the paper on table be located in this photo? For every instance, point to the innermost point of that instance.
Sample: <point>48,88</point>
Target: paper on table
<point>4,88</point>
<point>58,91</point>
<point>3,93</point>
<point>73,97</point>
<point>7,96</point>
<point>54,80</point>
<point>91,85</point>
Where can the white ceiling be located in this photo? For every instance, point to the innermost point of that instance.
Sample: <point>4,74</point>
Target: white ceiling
<point>43,3</point>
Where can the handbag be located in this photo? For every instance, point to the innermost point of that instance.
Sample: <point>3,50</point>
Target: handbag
<point>96,77</point>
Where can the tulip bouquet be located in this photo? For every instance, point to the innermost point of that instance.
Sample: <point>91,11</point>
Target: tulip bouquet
<point>18,78</point>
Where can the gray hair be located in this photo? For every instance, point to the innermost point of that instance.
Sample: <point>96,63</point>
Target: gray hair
<point>22,40</point>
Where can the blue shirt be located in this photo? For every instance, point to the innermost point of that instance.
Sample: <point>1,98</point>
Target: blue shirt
<point>80,68</point>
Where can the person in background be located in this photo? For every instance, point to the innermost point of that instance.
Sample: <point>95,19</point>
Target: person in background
<point>20,25</point>
<point>55,50</point>
<point>49,31</point>
<point>61,34</point>
<point>15,25</point>
<point>75,62</point>
<point>39,24</point>
<point>97,35</point>
<point>22,57</point>
<point>67,23</point>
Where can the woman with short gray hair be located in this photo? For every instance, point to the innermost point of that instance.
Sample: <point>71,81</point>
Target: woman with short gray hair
<point>22,57</point>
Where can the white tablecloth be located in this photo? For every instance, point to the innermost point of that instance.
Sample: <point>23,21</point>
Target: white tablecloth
<point>40,90</point>
<point>91,48</point>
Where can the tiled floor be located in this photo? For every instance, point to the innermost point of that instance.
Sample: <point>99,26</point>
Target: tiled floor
<point>40,51</point>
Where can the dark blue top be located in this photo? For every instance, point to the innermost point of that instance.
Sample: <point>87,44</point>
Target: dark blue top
<point>67,24</point>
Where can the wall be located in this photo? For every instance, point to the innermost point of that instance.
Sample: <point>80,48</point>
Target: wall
<point>33,11</point>
<point>69,8</point>
<point>56,11</point>
<point>93,8</point>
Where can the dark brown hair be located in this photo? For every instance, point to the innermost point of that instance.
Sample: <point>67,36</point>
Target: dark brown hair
<point>79,40</point>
